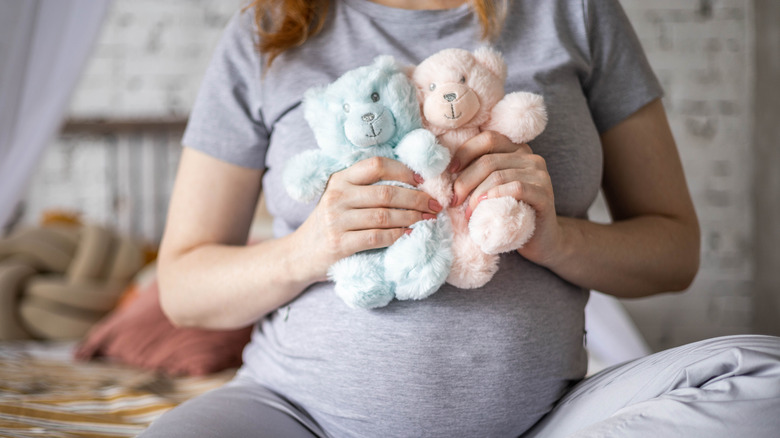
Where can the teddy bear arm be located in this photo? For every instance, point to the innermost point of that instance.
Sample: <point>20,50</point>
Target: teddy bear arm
<point>420,151</point>
<point>307,174</point>
<point>520,116</point>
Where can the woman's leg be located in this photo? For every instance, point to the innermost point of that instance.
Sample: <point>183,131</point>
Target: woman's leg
<point>242,409</point>
<point>723,387</point>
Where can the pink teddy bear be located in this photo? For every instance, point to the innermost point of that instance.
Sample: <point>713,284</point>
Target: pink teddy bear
<point>462,94</point>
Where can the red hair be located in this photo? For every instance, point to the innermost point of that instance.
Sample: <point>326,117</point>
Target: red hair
<point>284,24</point>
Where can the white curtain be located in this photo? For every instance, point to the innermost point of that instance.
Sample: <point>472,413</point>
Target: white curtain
<point>43,48</point>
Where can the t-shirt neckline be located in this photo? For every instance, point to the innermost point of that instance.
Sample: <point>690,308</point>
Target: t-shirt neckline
<point>387,13</point>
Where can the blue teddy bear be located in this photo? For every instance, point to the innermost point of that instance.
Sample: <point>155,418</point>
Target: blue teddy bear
<point>373,111</point>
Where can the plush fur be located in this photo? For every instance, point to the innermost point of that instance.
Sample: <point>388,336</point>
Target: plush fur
<point>461,94</point>
<point>373,111</point>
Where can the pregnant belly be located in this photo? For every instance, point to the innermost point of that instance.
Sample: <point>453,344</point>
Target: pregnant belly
<point>485,362</point>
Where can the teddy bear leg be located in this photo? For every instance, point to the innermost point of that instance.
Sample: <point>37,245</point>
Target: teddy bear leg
<point>360,281</point>
<point>419,262</point>
<point>502,224</point>
<point>471,267</point>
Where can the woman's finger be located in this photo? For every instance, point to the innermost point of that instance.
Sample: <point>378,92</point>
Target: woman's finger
<point>486,142</point>
<point>528,186</point>
<point>388,196</point>
<point>487,168</point>
<point>356,241</point>
<point>375,169</point>
<point>381,218</point>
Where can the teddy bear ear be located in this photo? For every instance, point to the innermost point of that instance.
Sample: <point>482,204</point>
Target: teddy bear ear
<point>387,63</point>
<point>314,103</point>
<point>492,60</point>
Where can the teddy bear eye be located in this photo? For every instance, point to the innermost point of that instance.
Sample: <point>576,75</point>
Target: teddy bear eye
<point>462,79</point>
<point>375,96</point>
<point>346,107</point>
<point>432,86</point>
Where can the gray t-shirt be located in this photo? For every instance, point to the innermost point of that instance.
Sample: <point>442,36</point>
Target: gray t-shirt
<point>482,362</point>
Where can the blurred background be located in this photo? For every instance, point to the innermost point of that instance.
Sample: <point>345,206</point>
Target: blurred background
<point>114,158</point>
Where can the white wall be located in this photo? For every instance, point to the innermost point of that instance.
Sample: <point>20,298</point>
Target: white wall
<point>152,55</point>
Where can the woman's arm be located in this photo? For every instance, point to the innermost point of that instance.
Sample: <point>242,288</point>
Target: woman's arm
<point>653,244</point>
<point>208,276</point>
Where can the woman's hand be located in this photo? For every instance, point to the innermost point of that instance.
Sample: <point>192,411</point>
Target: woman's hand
<point>353,215</point>
<point>491,166</point>
<point>652,244</point>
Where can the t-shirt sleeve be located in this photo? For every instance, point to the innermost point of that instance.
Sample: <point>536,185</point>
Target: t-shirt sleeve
<point>226,121</point>
<point>620,80</point>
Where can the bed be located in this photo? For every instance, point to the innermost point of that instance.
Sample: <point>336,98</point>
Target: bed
<point>44,391</point>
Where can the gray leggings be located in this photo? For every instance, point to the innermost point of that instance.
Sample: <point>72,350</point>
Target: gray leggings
<point>723,387</point>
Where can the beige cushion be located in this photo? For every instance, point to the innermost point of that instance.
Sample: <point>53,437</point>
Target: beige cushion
<point>48,320</point>
<point>12,278</point>
<point>94,296</point>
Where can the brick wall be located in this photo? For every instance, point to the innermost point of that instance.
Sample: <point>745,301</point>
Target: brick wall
<point>151,57</point>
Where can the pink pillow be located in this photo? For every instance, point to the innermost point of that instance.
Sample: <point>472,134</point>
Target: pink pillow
<point>140,334</point>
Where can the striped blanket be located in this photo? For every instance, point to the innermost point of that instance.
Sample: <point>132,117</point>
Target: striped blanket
<point>43,392</point>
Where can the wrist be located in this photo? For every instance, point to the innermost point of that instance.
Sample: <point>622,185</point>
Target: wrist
<point>301,264</point>
<point>563,245</point>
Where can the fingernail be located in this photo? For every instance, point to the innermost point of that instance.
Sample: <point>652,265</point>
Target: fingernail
<point>434,205</point>
<point>454,165</point>
<point>427,216</point>
<point>481,198</point>
<point>418,179</point>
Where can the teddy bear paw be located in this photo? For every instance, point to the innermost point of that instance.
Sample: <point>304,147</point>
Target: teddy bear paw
<point>502,224</point>
<point>420,151</point>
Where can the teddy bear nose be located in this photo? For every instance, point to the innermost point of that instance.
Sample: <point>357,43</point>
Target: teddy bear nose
<point>367,117</point>
<point>449,97</point>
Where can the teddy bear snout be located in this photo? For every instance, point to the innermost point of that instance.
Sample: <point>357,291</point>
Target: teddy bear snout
<point>369,126</point>
<point>452,92</point>
<point>451,106</point>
